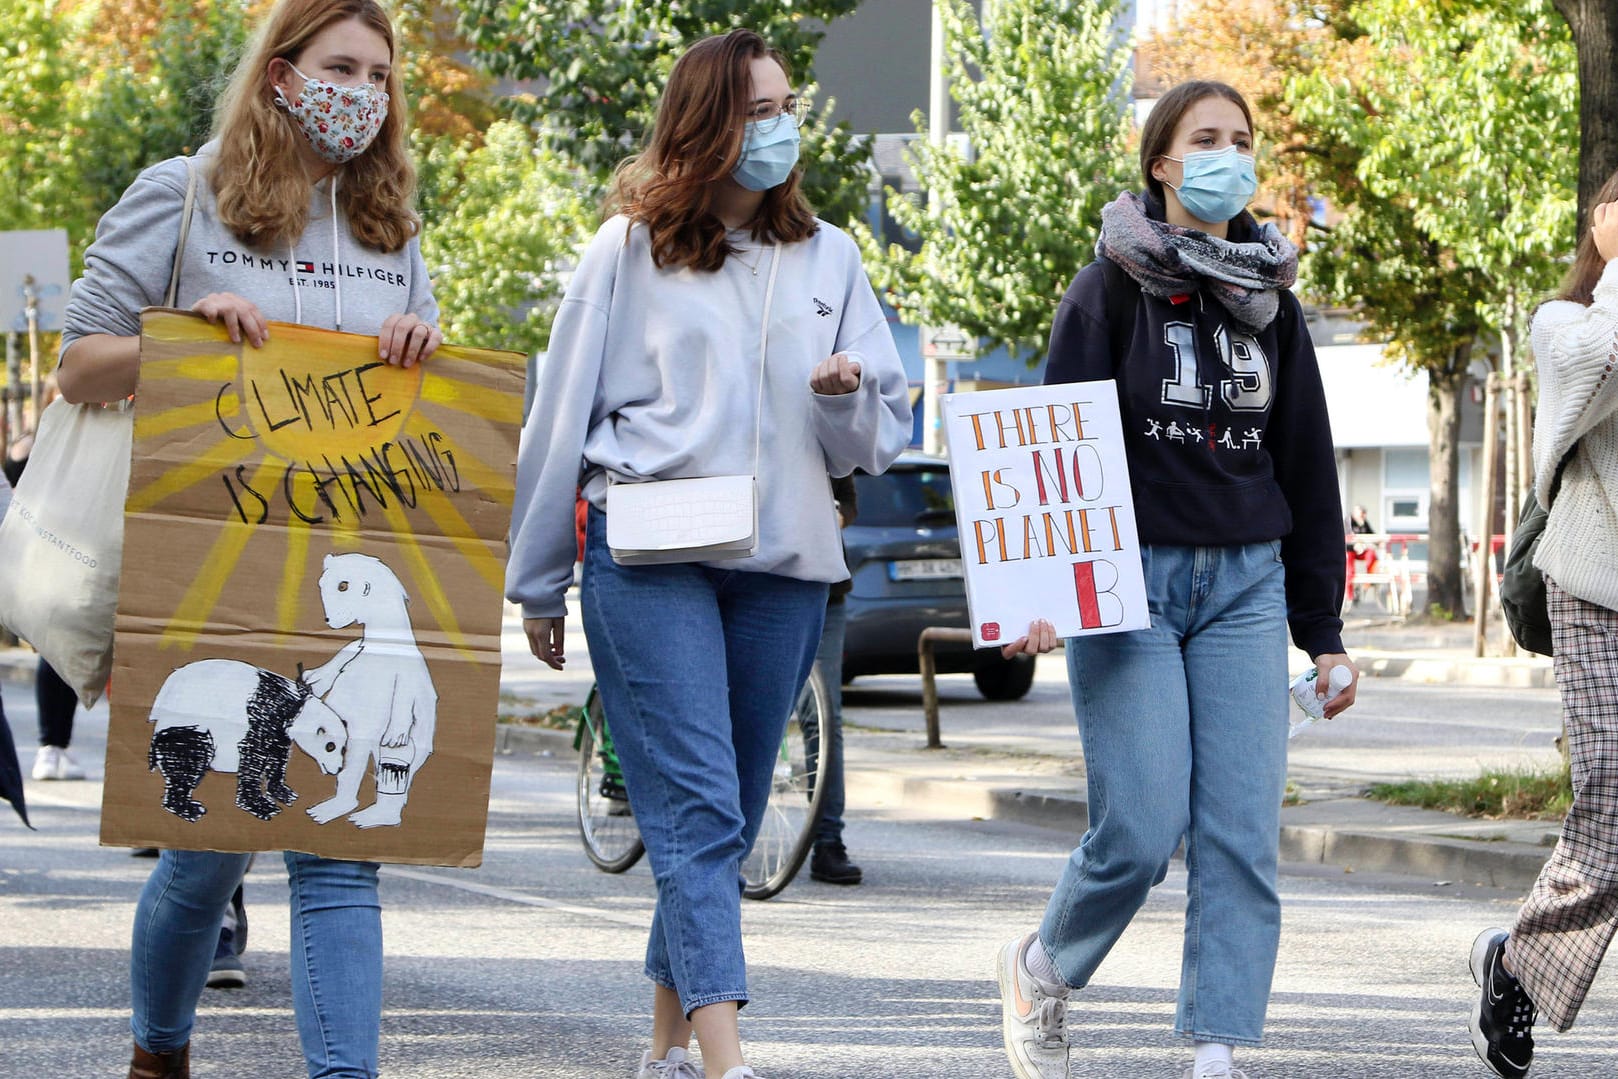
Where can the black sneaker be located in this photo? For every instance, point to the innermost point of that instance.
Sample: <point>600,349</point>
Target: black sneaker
<point>830,864</point>
<point>227,971</point>
<point>1503,1022</point>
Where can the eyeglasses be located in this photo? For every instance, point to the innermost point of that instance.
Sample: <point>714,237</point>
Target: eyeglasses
<point>767,115</point>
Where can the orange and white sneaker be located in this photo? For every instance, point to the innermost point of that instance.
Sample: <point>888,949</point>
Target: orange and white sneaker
<point>1033,1016</point>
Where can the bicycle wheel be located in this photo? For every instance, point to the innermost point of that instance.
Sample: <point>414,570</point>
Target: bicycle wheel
<point>611,837</point>
<point>788,830</point>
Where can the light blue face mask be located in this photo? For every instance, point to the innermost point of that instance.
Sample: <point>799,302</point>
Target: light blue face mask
<point>769,151</point>
<point>1217,184</point>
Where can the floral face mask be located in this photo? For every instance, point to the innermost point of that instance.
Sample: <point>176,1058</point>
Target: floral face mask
<point>339,121</point>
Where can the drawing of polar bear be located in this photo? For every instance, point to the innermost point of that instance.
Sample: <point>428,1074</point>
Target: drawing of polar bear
<point>227,716</point>
<point>379,684</point>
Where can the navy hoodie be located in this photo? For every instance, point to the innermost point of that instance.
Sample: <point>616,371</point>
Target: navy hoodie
<point>1226,431</point>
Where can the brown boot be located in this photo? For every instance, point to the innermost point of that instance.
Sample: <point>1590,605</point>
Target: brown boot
<point>175,1064</point>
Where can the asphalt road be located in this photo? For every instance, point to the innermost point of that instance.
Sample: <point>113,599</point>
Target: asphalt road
<point>529,967</point>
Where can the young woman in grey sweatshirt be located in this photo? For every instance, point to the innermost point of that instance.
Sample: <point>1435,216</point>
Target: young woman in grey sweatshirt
<point>654,373</point>
<point>301,214</point>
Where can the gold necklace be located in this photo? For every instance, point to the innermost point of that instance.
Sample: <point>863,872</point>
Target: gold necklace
<point>753,266</point>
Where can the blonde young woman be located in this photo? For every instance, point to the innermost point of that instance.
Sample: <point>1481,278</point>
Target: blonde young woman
<point>302,214</point>
<point>655,372</point>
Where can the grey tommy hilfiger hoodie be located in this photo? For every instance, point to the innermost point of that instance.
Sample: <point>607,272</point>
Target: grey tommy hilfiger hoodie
<point>325,279</point>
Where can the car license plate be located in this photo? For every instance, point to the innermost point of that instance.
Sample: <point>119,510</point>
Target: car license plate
<point>924,569</point>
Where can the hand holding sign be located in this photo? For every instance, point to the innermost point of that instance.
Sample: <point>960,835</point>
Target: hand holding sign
<point>1046,520</point>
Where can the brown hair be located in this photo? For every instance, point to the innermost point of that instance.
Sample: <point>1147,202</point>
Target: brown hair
<point>1580,282</point>
<point>1157,133</point>
<point>259,183</point>
<point>695,142</point>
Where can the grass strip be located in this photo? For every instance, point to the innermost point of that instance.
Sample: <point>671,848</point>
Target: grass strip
<point>1521,794</point>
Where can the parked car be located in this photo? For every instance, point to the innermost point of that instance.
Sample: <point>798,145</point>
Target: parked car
<point>905,560</point>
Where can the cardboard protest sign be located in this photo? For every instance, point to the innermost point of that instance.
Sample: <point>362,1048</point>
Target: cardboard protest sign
<point>1046,520</point>
<point>308,637</point>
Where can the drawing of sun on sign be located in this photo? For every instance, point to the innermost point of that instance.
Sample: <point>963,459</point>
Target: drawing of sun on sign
<point>299,518</point>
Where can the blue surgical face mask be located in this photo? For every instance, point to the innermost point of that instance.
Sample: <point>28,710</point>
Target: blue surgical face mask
<point>769,151</point>
<point>1216,185</point>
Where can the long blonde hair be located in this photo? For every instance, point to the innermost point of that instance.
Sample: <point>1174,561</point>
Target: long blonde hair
<point>258,180</point>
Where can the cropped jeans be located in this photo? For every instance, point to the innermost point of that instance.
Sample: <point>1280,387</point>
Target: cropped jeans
<point>336,954</point>
<point>1184,729</point>
<point>698,669</point>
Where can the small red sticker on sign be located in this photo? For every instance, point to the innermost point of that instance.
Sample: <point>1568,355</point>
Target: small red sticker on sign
<point>990,631</point>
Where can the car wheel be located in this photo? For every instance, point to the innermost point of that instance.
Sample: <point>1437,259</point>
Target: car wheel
<point>1001,679</point>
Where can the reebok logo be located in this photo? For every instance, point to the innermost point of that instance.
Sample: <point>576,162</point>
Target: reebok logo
<point>822,308</point>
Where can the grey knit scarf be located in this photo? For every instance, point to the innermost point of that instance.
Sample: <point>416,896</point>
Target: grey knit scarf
<point>1169,260</point>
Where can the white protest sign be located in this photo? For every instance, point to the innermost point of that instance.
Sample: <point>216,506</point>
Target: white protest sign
<point>42,255</point>
<point>1046,520</point>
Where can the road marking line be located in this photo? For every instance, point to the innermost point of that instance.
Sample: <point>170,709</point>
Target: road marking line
<point>594,913</point>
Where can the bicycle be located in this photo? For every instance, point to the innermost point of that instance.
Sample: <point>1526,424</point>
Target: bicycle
<point>611,838</point>
<point>607,826</point>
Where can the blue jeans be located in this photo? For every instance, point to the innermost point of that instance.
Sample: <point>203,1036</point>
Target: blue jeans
<point>829,657</point>
<point>698,669</point>
<point>336,954</point>
<point>1184,728</point>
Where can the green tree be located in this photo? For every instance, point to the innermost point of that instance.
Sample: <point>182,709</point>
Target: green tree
<point>39,76</point>
<point>502,219</point>
<point>1446,134</point>
<point>1594,24</point>
<point>600,67</point>
<point>151,96</point>
<point>1042,91</point>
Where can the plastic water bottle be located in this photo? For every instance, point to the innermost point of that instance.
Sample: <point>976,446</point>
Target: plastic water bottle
<point>1313,708</point>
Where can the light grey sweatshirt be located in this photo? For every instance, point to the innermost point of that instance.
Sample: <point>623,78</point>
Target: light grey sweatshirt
<point>1575,351</point>
<point>128,266</point>
<point>654,374</point>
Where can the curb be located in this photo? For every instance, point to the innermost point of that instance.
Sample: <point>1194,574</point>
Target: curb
<point>1497,863</point>
<point>1489,671</point>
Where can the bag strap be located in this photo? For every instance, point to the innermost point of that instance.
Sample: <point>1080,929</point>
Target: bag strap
<point>185,233</point>
<point>763,345</point>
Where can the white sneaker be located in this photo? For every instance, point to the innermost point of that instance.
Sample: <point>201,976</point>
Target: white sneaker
<point>677,1065</point>
<point>52,762</point>
<point>1220,1070</point>
<point>741,1072</point>
<point>1033,1020</point>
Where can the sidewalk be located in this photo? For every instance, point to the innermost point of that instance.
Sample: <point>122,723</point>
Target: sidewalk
<point>1031,771</point>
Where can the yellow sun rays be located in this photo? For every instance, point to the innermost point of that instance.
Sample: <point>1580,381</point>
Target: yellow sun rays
<point>218,428</point>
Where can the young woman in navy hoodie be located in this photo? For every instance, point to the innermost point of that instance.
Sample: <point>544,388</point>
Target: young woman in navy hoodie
<point>1234,480</point>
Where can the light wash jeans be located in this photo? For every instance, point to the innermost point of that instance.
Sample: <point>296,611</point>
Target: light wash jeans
<point>829,655</point>
<point>698,669</point>
<point>1184,728</point>
<point>336,954</point>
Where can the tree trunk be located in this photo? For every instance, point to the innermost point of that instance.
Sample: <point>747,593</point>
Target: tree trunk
<point>1595,34</point>
<point>1443,520</point>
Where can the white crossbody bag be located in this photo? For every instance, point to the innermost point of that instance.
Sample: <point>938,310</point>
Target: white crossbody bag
<point>703,519</point>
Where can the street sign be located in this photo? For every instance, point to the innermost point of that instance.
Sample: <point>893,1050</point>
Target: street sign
<point>42,254</point>
<point>949,343</point>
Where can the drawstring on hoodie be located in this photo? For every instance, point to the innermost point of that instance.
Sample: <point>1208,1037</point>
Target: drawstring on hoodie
<point>292,257</point>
